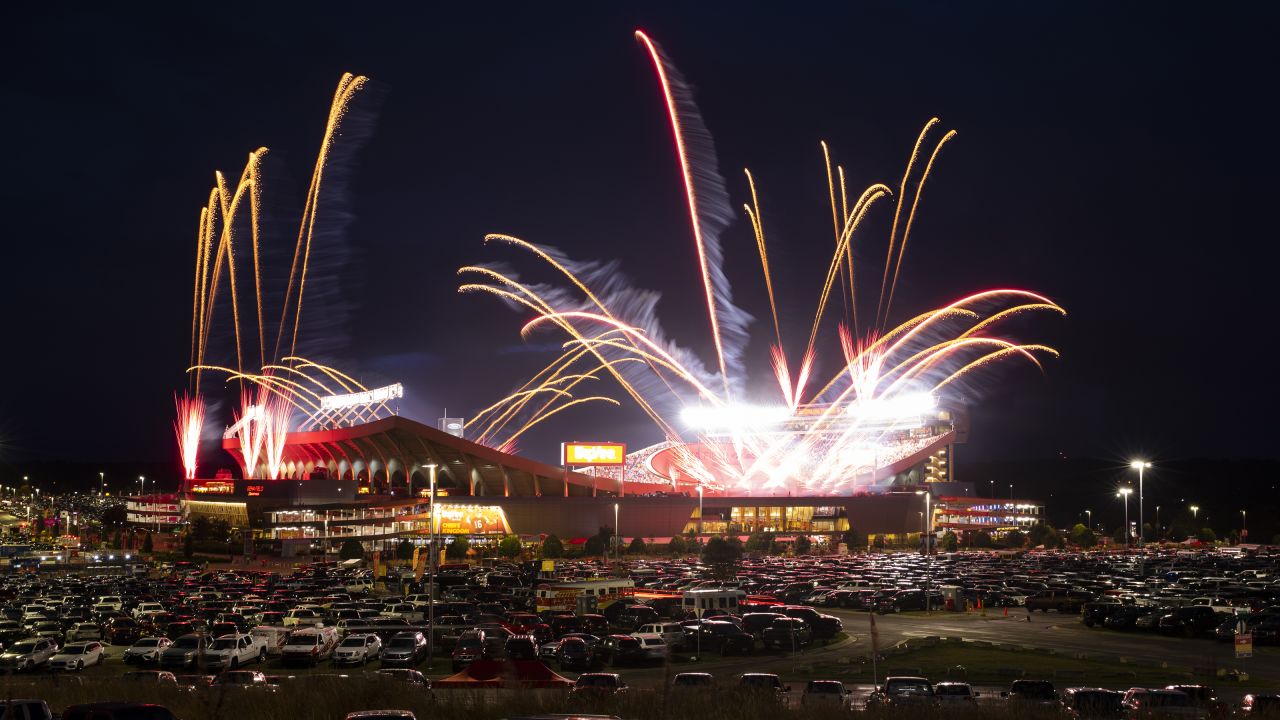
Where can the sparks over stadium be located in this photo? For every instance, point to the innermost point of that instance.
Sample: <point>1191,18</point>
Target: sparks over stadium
<point>890,406</point>
<point>860,414</point>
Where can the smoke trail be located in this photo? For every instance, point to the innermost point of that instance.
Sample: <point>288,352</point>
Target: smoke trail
<point>709,202</point>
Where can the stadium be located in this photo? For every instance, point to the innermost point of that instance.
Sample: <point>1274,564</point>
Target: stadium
<point>322,459</point>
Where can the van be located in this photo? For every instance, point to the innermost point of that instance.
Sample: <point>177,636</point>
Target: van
<point>672,633</point>
<point>274,636</point>
<point>309,646</point>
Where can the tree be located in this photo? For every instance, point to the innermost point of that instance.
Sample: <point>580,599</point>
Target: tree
<point>760,542</point>
<point>457,550</point>
<point>187,549</point>
<point>552,547</point>
<point>803,545</point>
<point>594,546</point>
<point>1084,537</point>
<point>950,543</point>
<point>1121,537</point>
<point>981,539</point>
<point>637,546</point>
<point>147,547</point>
<point>351,550</point>
<point>677,546</point>
<point>1207,535</point>
<point>404,550</point>
<point>719,551</point>
<point>854,539</point>
<point>201,528</point>
<point>509,546</point>
<point>1014,539</point>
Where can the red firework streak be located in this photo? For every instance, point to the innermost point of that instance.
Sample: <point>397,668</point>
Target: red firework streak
<point>187,427</point>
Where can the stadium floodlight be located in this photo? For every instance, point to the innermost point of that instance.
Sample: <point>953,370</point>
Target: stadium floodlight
<point>733,418</point>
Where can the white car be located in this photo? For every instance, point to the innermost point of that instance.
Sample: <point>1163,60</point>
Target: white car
<point>147,650</point>
<point>654,646</point>
<point>357,650</point>
<point>830,693</point>
<point>86,631</point>
<point>115,601</point>
<point>302,617</point>
<point>146,608</point>
<point>28,654</point>
<point>232,651</point>
<point>77,656</point>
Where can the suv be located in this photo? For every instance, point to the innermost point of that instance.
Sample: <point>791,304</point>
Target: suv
<point>117,711</point>
<point>26,710</point>
<point>470,648</point>
<point>185,652</point>
<point>404,648</point>
<point>787,634</point>
<point>762,685</point>
<point>521,647</point>
<point>822,626</point>
<point>1189,621</point>
<point>357,650</point>
<point>903,691</point>
<point>28,654</point>
<point>826,692</point>
<point>620,650</point>
<point>597,685</point>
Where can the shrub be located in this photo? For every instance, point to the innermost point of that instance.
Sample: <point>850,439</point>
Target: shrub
<point>457,550</point>
<point>351,550</point>
<point>509,546</point>
<point>637,547</point>
<point>552,547</point>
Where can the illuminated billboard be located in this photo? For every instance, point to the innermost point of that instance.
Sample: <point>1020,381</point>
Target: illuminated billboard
<point>213,487</point>
<point>471,520</point>
<point>577,453</point>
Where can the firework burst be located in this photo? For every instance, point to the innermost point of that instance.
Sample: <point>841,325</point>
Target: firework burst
<point>187,428</point>
<point>830,438</point>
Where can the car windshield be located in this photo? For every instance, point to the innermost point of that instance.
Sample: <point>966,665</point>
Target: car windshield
<point>75,649</point>
<point>305,640</point>
<point>762,681</point>
<point>187,643</point>
<point>825,686</point>
<point>147,642</point>
<point>1097,702</point>
<point>21,648</point>
<point>597,681</point>
<point>401,643</point>
<point>909,687</point>
<point>1034,690</point>
<point>224,644</point>
<point>952,690</point>
<point>353,642</point>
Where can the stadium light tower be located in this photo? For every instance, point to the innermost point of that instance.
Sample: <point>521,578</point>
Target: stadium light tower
<point>1089,515</point>
<point>102,484</point>
<point>1140,465</point>
<point>617,539</point>
<point>1195,509</point>
<point>431,575</point>
<point>1125,493</point>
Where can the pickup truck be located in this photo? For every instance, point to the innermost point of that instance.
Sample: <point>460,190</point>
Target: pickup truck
<point>411,613</point>
<point>1064,601</point>
<point>232,651</point>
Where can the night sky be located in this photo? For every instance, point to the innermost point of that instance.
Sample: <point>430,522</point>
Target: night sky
<point>1115,156</point>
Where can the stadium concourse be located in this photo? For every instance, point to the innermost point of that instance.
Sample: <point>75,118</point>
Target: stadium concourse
<point>371,482</point>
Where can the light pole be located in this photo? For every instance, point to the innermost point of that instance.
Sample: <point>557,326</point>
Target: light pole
<point>1244,526</point>
<point>699,512</point>
<point>1125,492</point>
<point>1010,491</point>
<point>617,539</point>
<point>1195,510</point>
<point>431,575</point>
<point>102,484</point>
<point>1140,465</point>
<point>993,489</point>
<point>1157,527</point>
<point>1089,514</point>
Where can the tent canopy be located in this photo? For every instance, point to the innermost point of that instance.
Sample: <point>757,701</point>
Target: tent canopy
<point>496,674</point>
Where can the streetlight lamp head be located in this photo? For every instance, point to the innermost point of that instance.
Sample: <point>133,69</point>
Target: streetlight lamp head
<point>1125,491</point>
<point>1136,464</point>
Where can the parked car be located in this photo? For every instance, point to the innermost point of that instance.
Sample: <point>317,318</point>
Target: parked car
<point>1260,706</point>
<point>762,686</point>
<point>404,649</point>
<point>357,650</point>
<point>184,652</point>
<point>77,656</point>
<point>25,710</point>
<point>471,646</point>
<point>28,654</point>
<point>1064,601</point>
<point>826,693</point>
<point>117,711</point>
<point>232,651</point>
<point>787,634</point>
<point>309,646</point>
<point>902,692</point>
<point>1083,703</point>
<point>653,645</point>
<point>620,650</point>
<point>158,677</point>
<point>85,631</point>
<point>955,693</point>
<point>573,653</point>
<point>146,650</point>
<point>590,685</point>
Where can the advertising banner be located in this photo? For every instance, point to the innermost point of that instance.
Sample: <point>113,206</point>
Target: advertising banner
<point>470,520</point>
<point>577,453</point>
<point>1244,645</point>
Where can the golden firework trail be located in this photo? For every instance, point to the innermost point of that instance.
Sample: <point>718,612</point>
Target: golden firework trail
<point>884,374</point>
<point>265,414</point>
